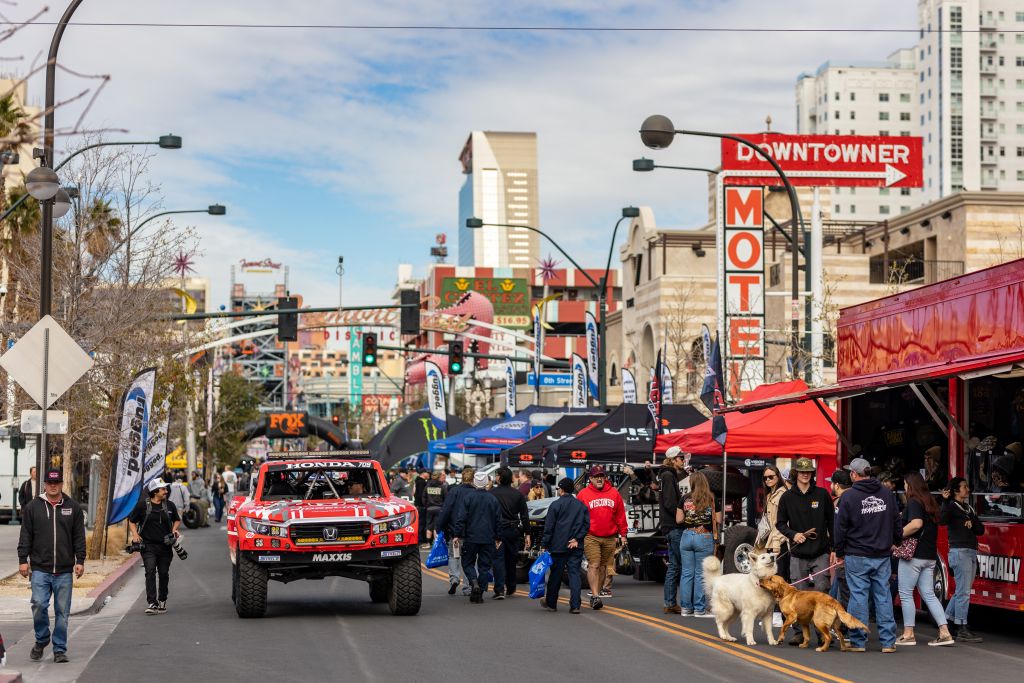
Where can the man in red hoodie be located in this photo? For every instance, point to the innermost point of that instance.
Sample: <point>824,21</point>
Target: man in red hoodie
<point>607,529</point>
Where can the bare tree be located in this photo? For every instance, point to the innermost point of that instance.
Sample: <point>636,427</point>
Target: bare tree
<point>682,327</point>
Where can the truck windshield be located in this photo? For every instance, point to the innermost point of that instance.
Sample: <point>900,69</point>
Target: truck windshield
<point>319,483</point>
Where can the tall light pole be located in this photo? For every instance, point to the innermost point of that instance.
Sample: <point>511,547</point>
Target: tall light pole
<point>602,287</point>
<point>657,132</point>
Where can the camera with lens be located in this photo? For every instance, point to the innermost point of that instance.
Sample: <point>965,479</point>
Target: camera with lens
<point>135,547</point>
<point>172,540</point>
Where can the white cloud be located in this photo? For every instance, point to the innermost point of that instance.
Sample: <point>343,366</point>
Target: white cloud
<point>320,103</point>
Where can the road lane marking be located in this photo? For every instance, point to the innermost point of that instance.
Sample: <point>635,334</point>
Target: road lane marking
<point>744,652</point>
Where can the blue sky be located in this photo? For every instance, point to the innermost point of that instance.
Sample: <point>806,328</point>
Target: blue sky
<point>328,142</point>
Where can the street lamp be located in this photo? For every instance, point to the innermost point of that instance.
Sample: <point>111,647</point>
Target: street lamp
<point>42,183</point>
<point>212,209</point>
<point>61,203</point>
<point>644,165</point>
<point>657,132</point>
<point>627,212</point>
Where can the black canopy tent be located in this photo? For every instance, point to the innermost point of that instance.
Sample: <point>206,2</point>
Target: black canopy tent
<point>408,436</point>
<point>626,435</point>
<point>535,452</point>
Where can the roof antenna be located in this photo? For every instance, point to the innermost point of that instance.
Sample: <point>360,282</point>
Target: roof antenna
<point>768,122</point>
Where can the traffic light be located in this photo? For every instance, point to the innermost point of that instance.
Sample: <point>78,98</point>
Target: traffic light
<point>336,420</point>
<point>287,323</point>
<point>455,359</point>
<point>370,349</point>
<point>410,317</point>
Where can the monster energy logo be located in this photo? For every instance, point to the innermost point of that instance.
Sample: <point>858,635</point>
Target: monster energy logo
<point>430,429</point>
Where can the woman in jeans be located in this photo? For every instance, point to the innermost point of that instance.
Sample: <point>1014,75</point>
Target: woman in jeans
<point>773,490</point>
<point>218,490</point>
<point>920,521</point>
<point>964,529</point>
<point>696,517</point>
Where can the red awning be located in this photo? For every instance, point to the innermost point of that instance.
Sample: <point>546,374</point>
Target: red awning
<point>790,429</point>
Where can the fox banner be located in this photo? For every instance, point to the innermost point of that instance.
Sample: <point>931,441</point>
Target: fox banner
<point>666,383</point>
<point>579,382</point>
<point>510,389</point>
<point>654,396</point>
<point>436,403</point>
<point>134,424</point>
<point>628,386</point>
<point>156,451</point>
<point>592,354</point>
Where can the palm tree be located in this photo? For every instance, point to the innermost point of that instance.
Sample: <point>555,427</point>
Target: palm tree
<point>102,229</point>
<point>15,129</point>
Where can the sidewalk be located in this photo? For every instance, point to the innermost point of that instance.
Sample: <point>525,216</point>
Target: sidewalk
<point>8,549</point>
<point>88,595</point>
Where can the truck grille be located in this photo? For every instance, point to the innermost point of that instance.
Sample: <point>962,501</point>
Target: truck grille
<point>329,532</point>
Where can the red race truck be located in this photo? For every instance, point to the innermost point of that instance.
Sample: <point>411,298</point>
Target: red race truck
<point>310,515</point>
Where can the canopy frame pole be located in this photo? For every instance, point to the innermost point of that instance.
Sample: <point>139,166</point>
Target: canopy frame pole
<point>725,485</point>
<point>842,437</point>
<point>942,424</point>
<point>945,411</point>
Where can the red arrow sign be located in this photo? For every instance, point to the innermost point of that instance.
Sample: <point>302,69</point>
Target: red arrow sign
<point>827,160</point>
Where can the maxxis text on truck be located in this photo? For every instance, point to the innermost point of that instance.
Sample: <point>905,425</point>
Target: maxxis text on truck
<point>251,598</point>
<point>405,591</point>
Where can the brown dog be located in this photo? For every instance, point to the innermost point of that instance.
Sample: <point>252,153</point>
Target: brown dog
<point>807,607</point>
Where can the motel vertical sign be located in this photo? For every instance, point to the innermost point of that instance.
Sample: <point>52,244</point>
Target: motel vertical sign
<point>742,280</point>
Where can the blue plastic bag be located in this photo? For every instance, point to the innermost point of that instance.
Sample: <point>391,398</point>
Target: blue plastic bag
<point>438,556</point>
<point>538,574</point>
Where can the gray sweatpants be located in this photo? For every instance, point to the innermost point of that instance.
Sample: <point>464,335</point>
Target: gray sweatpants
<point>800,568</point>
<point>455,575</point>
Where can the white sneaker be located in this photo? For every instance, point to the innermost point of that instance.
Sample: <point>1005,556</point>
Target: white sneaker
<point>777,619</point>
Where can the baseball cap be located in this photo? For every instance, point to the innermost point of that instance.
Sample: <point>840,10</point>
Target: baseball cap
<point>860,466</point>
<point>1015,448</point>
<point>566,484</point>
<point>596,471</point>
<point>53,477</point>
<point>841,477</point>
<point>673,452</point>
<point>804,465</point>
<point>155,484</point>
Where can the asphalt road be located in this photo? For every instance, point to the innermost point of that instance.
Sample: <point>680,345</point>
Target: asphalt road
<point>330,630</point>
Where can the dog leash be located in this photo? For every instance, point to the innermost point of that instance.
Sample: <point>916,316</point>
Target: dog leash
<point>811,576</point>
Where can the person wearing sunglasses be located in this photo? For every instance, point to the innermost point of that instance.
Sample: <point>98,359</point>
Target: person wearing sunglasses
<point>773,490</point>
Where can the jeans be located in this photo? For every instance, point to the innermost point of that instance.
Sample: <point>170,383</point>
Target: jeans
<point>570,561</point>
<point>964,563</point>
<point>868,578</point>
<point>218,508</point>
<point>693,548</point>
<point>505,559</point>
<point>157,561</point>
<point>839,590</point>
<point>801,568</point>
<point>919,574</point>
<point>672,572</point>
<point>44,585</point>
<point>476,562</point>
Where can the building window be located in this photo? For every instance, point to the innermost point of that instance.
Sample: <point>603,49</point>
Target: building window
<point>836,98</point>
<point>904,97</point>
<point>905,133</point>
<point>853,96</point>
<point>1020,151</point>
<point>904,116</point>
<point>1020,61</point>
<point>904,209</point>
<point>884,191</point>
<point>853,115</point>
<point>905,191</point>
<point>1020,38</point>
<point>838,209</point>
<point>883,133</point>
<point>1020,175</point>
<point>853,208</point>
<point>884,210</point>
<point>1020,17</point>
<point>883,97</point>
<point>883,116</point>
<point>956,125</point>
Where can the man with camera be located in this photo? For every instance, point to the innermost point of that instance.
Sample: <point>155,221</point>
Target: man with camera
<point>153,525</point>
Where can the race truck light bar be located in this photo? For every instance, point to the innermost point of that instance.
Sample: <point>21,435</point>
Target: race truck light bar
<point>319,455</point>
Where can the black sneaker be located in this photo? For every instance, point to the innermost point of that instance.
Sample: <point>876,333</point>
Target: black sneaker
<point>161,606</point>
<point>595,602</point>
<point>498,596</point>
<point>60,658</point>
<point>476,594</point>
<point>966,635</point>
<point>452,588</point>
<point>37,651</point>
<point>151,608</point>
<point>574,610</point>
<point>548,608</point>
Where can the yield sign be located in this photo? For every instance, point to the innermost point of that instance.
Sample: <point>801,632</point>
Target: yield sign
<point>25,362</point>
<point>827,160</point>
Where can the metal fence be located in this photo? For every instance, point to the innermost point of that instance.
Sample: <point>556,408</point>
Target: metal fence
<point>907,271</point>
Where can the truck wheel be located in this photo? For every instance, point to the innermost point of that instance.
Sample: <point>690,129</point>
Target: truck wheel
<point>191,516</point>
<point>379,590</point>
<point>739,541</point>
<point>523,571</point>
<point>406,586</point>
<point>652,568</point>
<point>940,583</point>
<point>234,582</point>
<point>737,485</point>
<point>251,598</point>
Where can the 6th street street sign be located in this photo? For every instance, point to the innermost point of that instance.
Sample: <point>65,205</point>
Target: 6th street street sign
<point>826,160</point>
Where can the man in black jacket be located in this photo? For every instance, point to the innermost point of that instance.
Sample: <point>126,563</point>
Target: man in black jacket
<point>565,527</point>
<point>50,548</point>
<point>515,519</point>
<point>806,518</point>
<point>446,524</point>
<point>668,501</point>
<point>26,491</point>
<point>419,487</point>
<point>476,527</point>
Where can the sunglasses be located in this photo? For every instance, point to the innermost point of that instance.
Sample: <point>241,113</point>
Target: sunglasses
<point>770,477</point>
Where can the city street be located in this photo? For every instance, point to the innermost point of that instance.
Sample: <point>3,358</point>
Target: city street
<point>330,630</point>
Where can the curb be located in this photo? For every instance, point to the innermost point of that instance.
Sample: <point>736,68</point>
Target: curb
<point>113,583</point>
<point>11,678</point>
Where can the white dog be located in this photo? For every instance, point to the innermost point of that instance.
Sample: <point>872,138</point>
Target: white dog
<point>741,595</point>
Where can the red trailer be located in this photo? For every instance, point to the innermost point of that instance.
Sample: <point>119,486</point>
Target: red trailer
<point>941,366</point>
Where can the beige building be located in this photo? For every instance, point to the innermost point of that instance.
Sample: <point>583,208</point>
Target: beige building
<point>670,278</point>
<point>14,173</point>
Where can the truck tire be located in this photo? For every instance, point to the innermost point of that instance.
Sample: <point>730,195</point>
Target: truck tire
<point>739,541</point>
<point>405,591</point>
<point>523,570</point>
<point>379,590</point>
<point>737,485</point>
<point>191,516</point>
<point>651,568</point>
<point>251,598</point>
<point>234,582</point>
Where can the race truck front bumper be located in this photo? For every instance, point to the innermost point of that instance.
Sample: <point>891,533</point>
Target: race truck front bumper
<point>273,558</point>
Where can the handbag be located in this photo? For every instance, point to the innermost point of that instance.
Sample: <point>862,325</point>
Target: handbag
<point>906,549</point>
<point>438,556</point>
<point>624,561</point>
<point>538,574</point>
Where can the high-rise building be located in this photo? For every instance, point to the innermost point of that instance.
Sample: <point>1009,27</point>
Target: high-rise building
<point>862,99</point>
<point>500,187</point>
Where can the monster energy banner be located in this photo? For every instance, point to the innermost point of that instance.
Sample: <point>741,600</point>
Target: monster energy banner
<point>156,453</point>
<point>510,389</point>
<point>579,382</point>
<point>628,386</point>
<point>592,353</point>
<point>436,403</point>
<point>136,411</point>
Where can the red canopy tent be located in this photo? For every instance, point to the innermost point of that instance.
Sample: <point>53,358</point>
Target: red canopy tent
<point>790,430</point>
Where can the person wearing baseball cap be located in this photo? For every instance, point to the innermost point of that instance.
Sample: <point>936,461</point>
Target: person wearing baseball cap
<point>867,527</point>
<point>476,529</point>
<point>607,529</point>
<point>51,548</point>
<point>565,529</point>
<point>153,520</point>
<point>668,501</point>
